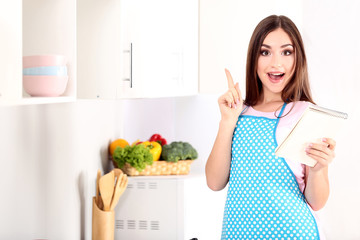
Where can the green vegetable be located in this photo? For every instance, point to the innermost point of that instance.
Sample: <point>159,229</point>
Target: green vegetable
<point>138,156</point>
<point>176,151</point>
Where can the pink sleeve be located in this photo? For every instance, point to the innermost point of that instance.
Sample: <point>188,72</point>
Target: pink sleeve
<point>292,113</point>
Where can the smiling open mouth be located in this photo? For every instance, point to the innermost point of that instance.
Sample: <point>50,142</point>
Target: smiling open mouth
<point>276,76</point>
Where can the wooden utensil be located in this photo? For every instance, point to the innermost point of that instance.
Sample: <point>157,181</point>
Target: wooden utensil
<point>118,176</point>
<point>106,186</point>
<point>120,187</point>
<point>118,173</point>
<point>97,195</point>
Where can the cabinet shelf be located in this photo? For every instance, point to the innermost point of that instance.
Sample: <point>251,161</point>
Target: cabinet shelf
<point>49,27</point>
<point>36,27</point>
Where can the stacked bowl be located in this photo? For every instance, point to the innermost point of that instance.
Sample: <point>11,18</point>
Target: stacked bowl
<point>45,75</point>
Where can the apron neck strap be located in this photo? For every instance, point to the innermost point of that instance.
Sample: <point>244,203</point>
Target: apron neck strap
<point>282,109</point>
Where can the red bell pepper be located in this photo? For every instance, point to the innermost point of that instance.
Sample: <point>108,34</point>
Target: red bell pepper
<point>158,138</point>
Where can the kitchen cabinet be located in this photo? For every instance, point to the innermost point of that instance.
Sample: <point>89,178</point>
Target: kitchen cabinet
<point>137,48</point>
<point>99,49</point>
<point>36,27</point>
<point>166,207</point>
<point>115,49</point>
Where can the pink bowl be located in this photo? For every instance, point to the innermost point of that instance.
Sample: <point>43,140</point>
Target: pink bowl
<point>43,61</point>
<point>45,86</point>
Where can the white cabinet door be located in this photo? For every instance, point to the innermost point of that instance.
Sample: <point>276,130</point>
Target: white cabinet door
<point>137,48</point>
<point>98,49</point>
<point>160,56</point>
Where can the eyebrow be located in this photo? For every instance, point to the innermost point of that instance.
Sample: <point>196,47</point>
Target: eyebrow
<point>283,46</point>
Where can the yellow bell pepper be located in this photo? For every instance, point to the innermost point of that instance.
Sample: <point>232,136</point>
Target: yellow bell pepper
<point>155,149</point>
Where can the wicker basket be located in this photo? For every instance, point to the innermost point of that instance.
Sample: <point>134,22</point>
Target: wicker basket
<point>182,167</point>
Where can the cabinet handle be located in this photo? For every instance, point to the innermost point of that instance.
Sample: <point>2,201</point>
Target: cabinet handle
<point>130,53</point>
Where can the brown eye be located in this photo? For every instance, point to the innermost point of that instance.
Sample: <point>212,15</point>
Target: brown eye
<point>287,53</point>
<point>264,53</point>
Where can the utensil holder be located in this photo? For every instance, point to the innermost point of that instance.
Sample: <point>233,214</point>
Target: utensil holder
<point>103,223</point>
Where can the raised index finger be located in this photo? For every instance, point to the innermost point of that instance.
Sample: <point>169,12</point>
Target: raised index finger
<point>229,79</point>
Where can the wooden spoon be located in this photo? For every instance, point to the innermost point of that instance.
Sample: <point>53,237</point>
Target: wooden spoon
<point>106,187</point>
<point>120,187</point>
<point>97,196</point>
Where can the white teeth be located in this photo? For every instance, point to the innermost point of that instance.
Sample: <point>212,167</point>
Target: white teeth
<point>276,74</point>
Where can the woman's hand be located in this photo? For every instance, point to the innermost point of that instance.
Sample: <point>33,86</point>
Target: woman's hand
<point>217,167</point>
<point>231,102</point>
<point>323,153</point>
<point>317,181</point>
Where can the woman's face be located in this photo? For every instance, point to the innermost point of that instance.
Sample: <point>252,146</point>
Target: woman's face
<point>276,62</point>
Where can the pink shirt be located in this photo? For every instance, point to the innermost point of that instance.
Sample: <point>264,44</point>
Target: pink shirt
<point>286,123</point>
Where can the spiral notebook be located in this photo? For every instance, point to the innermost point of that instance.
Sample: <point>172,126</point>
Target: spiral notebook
<point>314,124</point>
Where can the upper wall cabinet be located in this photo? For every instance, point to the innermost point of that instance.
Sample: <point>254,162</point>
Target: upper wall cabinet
<point>137,48</point>
<point>35,27</point>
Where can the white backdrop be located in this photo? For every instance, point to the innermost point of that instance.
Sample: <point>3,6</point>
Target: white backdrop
<point>331,34</point>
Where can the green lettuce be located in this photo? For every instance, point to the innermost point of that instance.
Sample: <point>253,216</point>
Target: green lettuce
<point>138,156</point>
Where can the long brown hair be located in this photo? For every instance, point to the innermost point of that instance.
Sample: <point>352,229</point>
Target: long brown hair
<point>298,88</point>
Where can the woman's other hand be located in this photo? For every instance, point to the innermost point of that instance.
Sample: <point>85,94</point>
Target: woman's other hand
<point>317,182</point>
<point>323,153</point>
<point>231,103</point>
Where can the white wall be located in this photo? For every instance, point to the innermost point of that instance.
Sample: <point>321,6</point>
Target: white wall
<point>22,197</point>
<point>225,31</point>
<point>331,35</point>
<point>49,156</point>
<point>193,119</point>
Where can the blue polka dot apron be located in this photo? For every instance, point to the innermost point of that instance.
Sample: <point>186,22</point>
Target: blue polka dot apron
<point>263,200</point>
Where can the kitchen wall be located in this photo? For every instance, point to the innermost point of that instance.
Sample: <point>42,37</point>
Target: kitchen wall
<point>331,36</point>
<point>193,119</point>
<point>51,153</point>
<point>49,156</point>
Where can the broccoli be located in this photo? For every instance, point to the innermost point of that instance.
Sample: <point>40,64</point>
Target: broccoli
<point>176,151</point>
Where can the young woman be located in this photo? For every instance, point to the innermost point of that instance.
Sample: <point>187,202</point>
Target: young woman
<point>268,197</point>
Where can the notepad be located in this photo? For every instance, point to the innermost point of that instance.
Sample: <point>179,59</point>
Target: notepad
<point>314,124</point>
